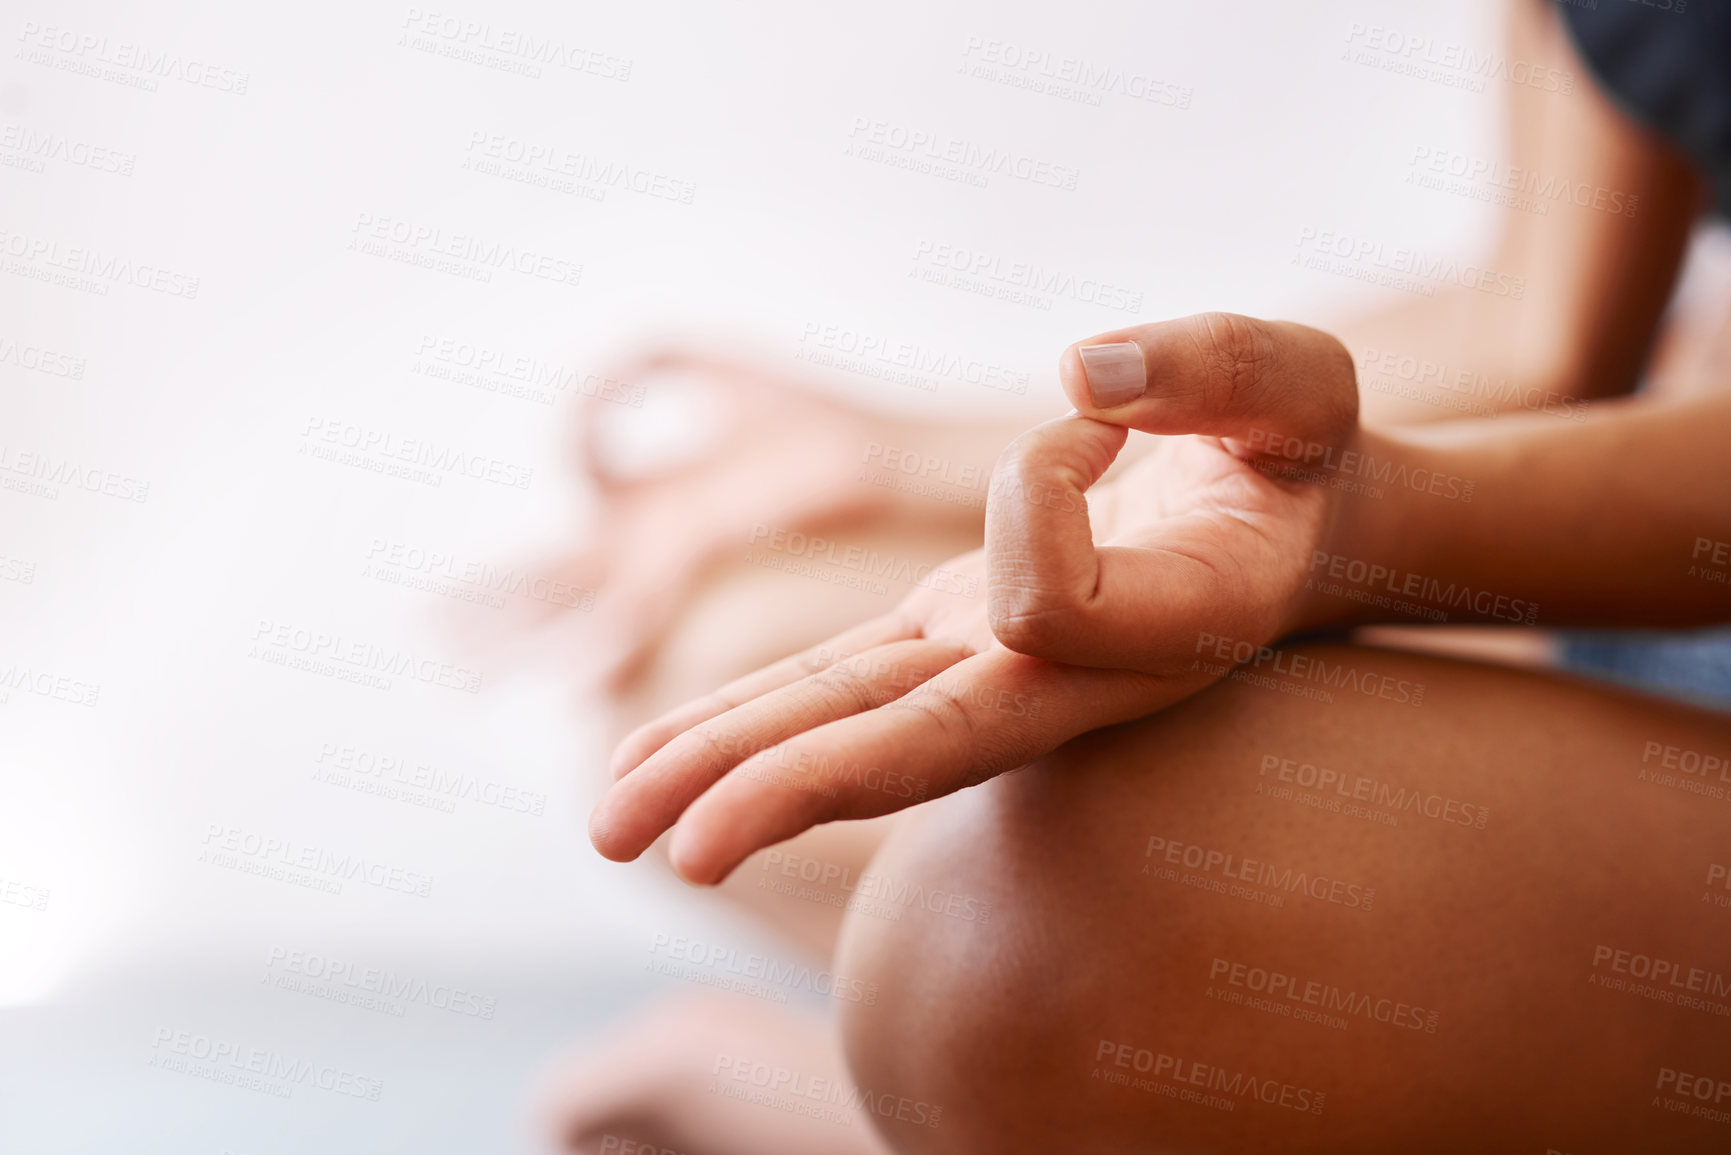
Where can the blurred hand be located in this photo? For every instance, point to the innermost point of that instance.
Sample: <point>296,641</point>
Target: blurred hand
<point>761,448</point>
<point>1095,608</point>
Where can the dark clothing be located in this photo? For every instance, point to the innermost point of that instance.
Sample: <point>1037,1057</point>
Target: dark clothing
<point>1667,63</point>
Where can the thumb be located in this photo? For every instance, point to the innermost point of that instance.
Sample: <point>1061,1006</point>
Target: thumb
<point>1259,384</point>
<point>1139,604</point>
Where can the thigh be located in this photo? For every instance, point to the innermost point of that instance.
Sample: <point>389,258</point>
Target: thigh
<point>1375,901</point>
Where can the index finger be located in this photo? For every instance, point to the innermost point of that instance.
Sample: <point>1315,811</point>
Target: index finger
<point>637,746</point>
<point>987,714</point>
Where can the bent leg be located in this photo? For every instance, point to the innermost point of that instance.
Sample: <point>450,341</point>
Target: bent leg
<point>746,617</point>
<point>1496,920</point>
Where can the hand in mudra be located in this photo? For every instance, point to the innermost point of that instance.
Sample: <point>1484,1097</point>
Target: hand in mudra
<point>1089,610</point>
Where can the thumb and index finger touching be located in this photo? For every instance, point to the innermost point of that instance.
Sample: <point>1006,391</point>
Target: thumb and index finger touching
<point>1263,387</point>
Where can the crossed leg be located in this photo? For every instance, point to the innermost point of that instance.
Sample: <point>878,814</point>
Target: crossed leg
<point>1498,920</point>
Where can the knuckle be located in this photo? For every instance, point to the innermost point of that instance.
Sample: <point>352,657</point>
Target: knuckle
<point>1237,355</point>
<point>986,749</point>
<point>843,686</point>
<point>1022,458</point>
<point>942,706</point>
<point>1028,623</point>
<point>1035,473</point>
<point>1038,452</point>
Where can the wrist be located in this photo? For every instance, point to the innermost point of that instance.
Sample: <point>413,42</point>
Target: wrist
<point>1364,535</point>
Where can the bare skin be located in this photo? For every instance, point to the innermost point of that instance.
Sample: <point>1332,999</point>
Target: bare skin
<point>1498,930</point>
<point>1505,932</point>
<point>1612,272</point>
<point>1594,282</point>
<point>1106,609</point>
<point>697,1073</point>
<point>744,812</point>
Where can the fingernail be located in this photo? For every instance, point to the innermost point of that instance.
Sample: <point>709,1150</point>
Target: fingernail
<point>1115,373</point>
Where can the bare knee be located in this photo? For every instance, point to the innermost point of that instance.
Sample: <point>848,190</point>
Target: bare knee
<point>1054,952</point>
<point>1025,975</point>
<point>979,1021</point>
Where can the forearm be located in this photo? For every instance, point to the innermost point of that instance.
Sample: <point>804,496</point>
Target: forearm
<point>1622,519</point>
<point>1579,286</point>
